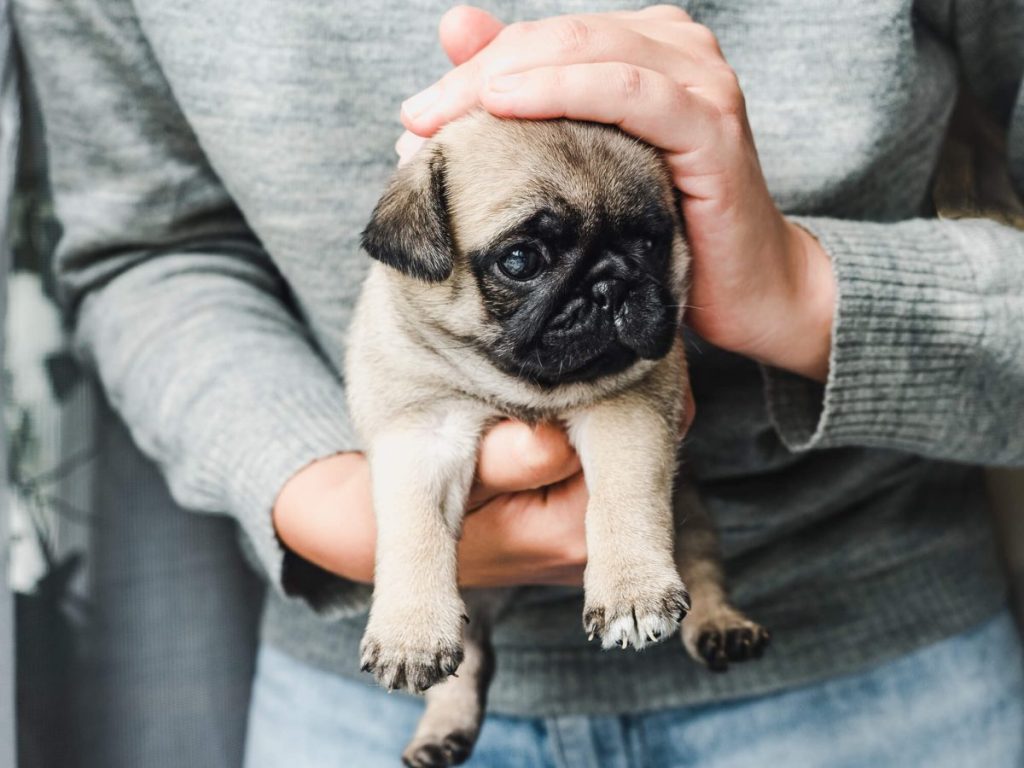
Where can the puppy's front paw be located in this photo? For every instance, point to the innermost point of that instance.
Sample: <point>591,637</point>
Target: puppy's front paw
<point>719,635</point>
<point>413,652</point>
<point>413,666</point>
<point>635,611</point>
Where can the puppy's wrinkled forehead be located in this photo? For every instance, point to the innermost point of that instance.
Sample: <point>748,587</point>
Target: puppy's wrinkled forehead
<point>501,172</point>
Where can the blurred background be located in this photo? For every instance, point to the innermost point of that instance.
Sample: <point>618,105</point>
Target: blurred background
<point>80,669</point>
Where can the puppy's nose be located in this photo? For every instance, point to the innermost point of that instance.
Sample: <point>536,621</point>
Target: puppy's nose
<point>608,293</point>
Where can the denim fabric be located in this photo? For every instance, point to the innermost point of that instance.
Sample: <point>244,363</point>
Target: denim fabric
<point>956,703</point>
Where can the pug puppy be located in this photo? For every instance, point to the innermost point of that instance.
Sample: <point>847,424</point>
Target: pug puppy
<point>534,270</point>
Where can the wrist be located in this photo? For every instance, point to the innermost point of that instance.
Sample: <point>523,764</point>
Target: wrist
<point>818,296</point>
<point>806,313</point>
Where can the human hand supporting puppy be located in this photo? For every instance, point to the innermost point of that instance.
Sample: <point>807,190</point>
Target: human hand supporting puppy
<point>528,502</point>
<point>761,286</point>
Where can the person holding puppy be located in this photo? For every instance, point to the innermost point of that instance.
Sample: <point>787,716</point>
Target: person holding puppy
<point>854,361</point>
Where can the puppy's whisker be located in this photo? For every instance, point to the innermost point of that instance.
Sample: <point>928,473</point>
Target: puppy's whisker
<point>639,263</point>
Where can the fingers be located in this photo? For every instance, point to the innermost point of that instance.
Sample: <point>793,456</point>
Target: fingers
<point>644,103</point>
<point>465,30</point>
<point>659,39</point>
<point>532,537</point>
<point>516,457</point>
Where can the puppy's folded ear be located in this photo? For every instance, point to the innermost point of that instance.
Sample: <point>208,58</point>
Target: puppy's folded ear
<point>409,228</point>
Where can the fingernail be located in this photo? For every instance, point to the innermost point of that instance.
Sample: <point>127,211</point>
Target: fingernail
<point>416,105</point>
<point>407,146</point>
<point>504,83</point>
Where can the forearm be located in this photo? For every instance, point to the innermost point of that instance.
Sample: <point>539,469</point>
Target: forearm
<point>186,318</point>
<point>220,385</point>
<point>216,379</point>
<point>927,345</point>
<point>927,353</point>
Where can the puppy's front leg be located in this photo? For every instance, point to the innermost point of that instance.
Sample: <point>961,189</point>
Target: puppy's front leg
<point>633,592</point>
<point>451,722</point>
<point>422,466</point>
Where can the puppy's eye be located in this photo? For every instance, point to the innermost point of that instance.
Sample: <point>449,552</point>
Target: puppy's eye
<point>521,263</point>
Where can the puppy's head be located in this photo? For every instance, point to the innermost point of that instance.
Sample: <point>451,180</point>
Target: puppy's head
<point>554,247</point>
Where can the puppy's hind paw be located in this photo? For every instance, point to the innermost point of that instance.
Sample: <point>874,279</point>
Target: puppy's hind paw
<point>452,749</point>
<point>729,638</point>
<point>638,620</point>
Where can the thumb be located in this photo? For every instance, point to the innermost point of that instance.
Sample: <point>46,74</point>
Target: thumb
<point>465,30</point>
<point>518,457</point>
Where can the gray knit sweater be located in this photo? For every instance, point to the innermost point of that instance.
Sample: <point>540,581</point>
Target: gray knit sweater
<point>213,162</point>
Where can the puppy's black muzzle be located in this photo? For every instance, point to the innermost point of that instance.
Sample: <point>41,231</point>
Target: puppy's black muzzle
<point>602,330</point>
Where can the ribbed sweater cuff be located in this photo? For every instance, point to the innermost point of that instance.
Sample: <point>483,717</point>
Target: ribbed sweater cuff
<point>906,326</point>
<point>288,434</point>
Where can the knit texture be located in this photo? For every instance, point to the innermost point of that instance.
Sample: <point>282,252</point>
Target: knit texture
<point>213,163</point>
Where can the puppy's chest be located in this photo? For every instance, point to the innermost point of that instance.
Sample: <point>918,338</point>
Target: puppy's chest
<point>536,410</point>
<point>531,416</point>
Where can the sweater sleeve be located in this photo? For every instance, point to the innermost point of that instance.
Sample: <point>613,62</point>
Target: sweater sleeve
<point>179,308</point>
<point>928,335</point>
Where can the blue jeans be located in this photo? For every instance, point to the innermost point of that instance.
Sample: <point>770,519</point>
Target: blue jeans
<point>957,703</point>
